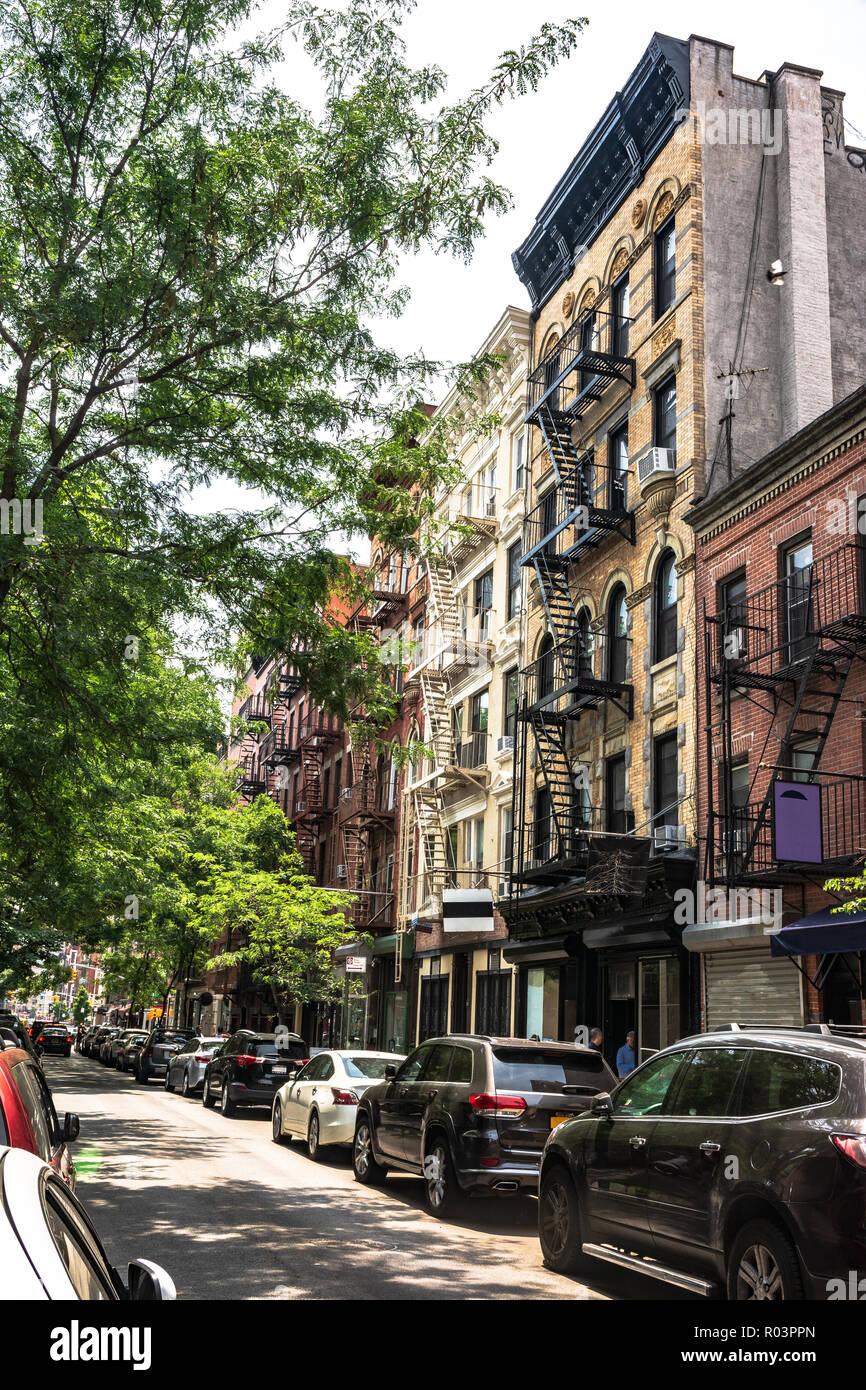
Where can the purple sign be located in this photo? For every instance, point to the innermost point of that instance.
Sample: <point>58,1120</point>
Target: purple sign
<point>797,822</point>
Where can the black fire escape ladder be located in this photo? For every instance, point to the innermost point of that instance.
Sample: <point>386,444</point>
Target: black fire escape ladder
<point>549,734</point>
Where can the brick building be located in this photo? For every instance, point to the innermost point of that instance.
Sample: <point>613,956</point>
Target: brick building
<point>652,308</point>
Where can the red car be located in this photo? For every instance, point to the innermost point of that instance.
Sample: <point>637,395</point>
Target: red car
<point>28,1119</point>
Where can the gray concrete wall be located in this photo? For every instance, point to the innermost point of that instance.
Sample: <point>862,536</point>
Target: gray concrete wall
<point>845,173</point>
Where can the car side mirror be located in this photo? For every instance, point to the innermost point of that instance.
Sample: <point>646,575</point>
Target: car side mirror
<point>390,1071</point>
<point>602,1105</point>
<point>71,1127</point>
<point>149,1283</point>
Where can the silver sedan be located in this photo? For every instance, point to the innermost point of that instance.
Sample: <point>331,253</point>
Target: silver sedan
<point>185,1070</point>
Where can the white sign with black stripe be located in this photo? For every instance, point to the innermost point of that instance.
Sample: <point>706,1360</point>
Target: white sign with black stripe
<point>467,909</point>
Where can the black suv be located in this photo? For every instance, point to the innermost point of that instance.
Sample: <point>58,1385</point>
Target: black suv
<point>473,1113</point>
<point>734,1161</point>
<point>250,1068</point>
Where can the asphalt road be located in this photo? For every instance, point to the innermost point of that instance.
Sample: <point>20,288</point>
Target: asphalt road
<point>232,1215</point>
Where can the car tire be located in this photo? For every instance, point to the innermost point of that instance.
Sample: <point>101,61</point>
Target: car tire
<point>277,1124</point>
<point>763,1265</point>
<point>140,1077</point>
<point>166,1083</point>
<point>560,1227</point>
<point>364,1166</point>
<point>314,1137</point>
<point>441,1192</point>
<point>207,1099</point>
<point>67,1052</point>
<point>184,1085</point>
<point>227,1105</point>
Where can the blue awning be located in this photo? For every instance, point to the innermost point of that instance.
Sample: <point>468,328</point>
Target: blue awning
<point>824,933</point>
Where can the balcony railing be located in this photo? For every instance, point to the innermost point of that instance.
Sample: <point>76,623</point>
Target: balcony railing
<point>577,371</point>
<point>592,499</point>
<point>467,644</point>
<point>257,709</point>
<point>317,728</point>
<point>364,799</point>
<point>586,839</point>
<point>472,750</point>
<point>766,635</point>
<point>831,833</point>
<point>573,676</point>
<point>253,777</point>
<point>280,748</point>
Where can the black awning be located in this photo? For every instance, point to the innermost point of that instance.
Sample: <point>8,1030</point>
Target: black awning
<point>824,933</point>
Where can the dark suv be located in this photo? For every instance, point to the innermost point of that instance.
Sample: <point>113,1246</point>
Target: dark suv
<point>161,1044</point>
<point>250,1068</point>
<point>734,1160</point>
<point>473,1113</point>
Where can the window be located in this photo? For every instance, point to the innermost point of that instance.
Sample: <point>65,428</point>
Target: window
<point>541,825</point>
<point>803,758</point>
<point>708,1082</point>
<point>512,607</point>
<point>509,701</point>
<point>532,1069</point>
<point>518,474</point>
<point>480,712</point>
<point>617,462</point>
<point>484,603</point>
<point>40,1108</point>
<point>665,607</point>
<point>665,808</point>
<point>433,1019</point>
<point>414,1064</point>
<point>493,1002</point>
<point>473,842</point>
<point>583,646</point>
<point>439,1065</point>
<point>506,839</point>
<point>617,636</point>
<point>615,808</point>
<point>588,341</point>
<point>545,668</point>
<point>89,1276</point>
<point>734,632</point>
<point>665,414</point>
<point>665,266</point>
<point>644,1093</point>
<point>777,1081</point>
<point>619,303</point>
<point>461,1065</point>
<point>797,589</point>
<point>548,520</point>
<point>551,370</point>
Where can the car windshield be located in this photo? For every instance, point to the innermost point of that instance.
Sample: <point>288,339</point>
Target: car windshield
<point>256,1048</point>
<point>532,1069</point>
<point>371,1068</point>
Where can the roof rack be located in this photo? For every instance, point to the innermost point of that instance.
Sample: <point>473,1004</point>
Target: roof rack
<point>827,1030</point>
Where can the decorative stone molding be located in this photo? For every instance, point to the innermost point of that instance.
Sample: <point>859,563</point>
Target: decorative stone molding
<point>665,336</point>
<point>686,565</point>
<point>598,624</point>
<point>638,597</point>
<point>586,303</point>
<point>638,212</point>
<point>659,500</point>
<point>619,264</point>
<point>664,209</point>
<point>567,304</point>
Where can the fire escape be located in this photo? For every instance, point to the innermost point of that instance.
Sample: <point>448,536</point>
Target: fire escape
<point>788,649</point>
<point>253,713</point>
<point>582,504</point>
<point>315,737</point>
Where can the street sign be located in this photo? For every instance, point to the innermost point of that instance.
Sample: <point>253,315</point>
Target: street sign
<point>355,965</point>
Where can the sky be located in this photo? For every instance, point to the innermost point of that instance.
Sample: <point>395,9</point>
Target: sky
<point>454,306</point>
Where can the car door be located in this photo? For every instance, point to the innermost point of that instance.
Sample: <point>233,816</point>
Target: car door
<point>690,1154</point>
<point>419,1095</point>
<point>178,1064</point>
<point>391,1104</point>
<point>301,1092</point>
<point>221,1064</point>
<point>616,1155</point>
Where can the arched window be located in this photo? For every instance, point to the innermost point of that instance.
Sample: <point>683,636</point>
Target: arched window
<point>545,667</point>
<point>551,367</point>
<point>617,636</point>
<point>665,643</point>
<point>583,645</point>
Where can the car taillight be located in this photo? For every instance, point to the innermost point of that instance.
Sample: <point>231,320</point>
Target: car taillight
<point>344,1097</point>
<point>509,1107</point>
<point>245,1060</point>
<point>201,1057</point>
<point>148,1051</point>
<point>852,1146</point>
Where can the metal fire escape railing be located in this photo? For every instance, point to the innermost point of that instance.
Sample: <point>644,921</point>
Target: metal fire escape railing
<point>583,503</point>
<point>794,643</point>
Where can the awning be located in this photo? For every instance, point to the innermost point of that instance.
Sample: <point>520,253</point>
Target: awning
<point>352,948</point>
<point>386,945</point>
<point>824,933</point>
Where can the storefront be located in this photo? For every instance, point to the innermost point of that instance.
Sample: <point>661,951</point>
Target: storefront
<point>741,982</point>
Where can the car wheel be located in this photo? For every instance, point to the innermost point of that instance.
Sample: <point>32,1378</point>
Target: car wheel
<point>314,1141</point>
<point>227,1105</point>
<point>206,1097</point>
<point>140,1077</point>
<point>277,1124</point>
<point>166,1083</point>
<point>440,1183</point>
<point>559,1226</point>
<point>364,1165</point>
<point>763,1265</point>
<point>184,1084</point>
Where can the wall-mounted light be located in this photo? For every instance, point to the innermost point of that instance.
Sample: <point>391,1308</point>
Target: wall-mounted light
<point>776,273</point>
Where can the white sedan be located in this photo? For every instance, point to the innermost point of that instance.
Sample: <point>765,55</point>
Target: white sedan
<point>320,1102</point>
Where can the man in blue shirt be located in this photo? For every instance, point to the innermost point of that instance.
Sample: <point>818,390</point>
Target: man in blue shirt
<point>626,1058</point>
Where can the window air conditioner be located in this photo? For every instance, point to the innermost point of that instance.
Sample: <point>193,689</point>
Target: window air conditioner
<point>341,871</point>
<point>656,463</point>
<point>505,743</point>
<point>666,836</point>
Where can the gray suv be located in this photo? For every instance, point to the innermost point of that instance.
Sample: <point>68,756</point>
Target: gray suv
<point>734,1161</point>
<point>472,1113</point>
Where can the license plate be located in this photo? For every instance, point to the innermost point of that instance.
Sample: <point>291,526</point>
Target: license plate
<point>278,1071</point>
<point>557,1120</point>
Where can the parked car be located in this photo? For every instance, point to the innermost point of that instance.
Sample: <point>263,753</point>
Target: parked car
<point>162,1044</point>
<point>51,1250</point>
<point>96,1040</point>
<point>733,1160</point>
<point>127,1055</point>
<point>56,1037</point>
<point>249,1068</point>
<point>36,1027</point>
<point>107,1048</point>
<point>186,1069</point>
<point>20,1032</point>
<point>28,1119</point>
<point>121,1047</point>
<point>84,1041</point>
<point>472,1113</point>
<point>320,1102</point>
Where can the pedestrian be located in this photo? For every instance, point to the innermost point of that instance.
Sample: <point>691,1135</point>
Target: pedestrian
<point>626,1058</point>
<point>596,1038</point>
